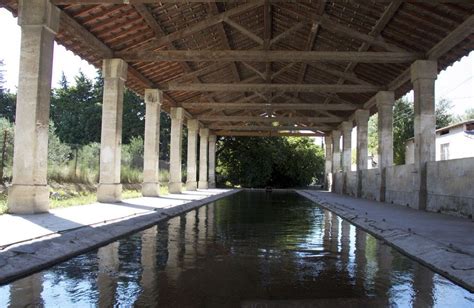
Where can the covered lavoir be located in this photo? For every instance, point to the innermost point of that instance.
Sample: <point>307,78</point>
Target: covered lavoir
<point>256,68</point>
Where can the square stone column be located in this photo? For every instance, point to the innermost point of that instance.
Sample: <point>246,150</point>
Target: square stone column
<point>177,116</point>
<point>151,155</point>
<point>191,178</point>
<point>336,158</point>
<point>346,152</point>
<point>423,77</point>
<point>328,164</point>
<point>115,75</point>
<point>385,101</point>
<point>362,122</point>
<point>212,161</point>
<point>39,21</point>
<point>346,145</point>
<point>204,134</point>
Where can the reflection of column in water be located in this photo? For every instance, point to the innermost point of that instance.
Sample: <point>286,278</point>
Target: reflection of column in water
<point>201,242</point>
<point>383,277</point>
<point>360,259</point>
<point>422,286</point>
<point>190,239</point>
<point>172,267</point>
<point>107,277</point>
<point>334,234</point>
<point>327,230</point>
<point>210,223</point>
<point>345,244</point>
<point>148,261</point>
<point>26,292</point>
<point>162,252</point>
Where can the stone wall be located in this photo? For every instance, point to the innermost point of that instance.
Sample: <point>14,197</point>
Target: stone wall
<point>451,187</point>
<point>351,183</point>
<point>401,185</point>
<point>338,182</point>
<point>370,184</point>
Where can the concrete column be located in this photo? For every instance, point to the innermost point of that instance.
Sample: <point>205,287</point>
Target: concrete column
<point>336,151</point>
<point>362,122</point>
<point>191,178</point>
<point>177,116</point>
<point>204,134</point>
<point>336,159</point>
<point>385,101</point>
<point>115,75</point>
<point>346,146</point>
<point>39,21</point>
<point>212,161</point>
<point>328,165</point>
<point>346,152</point>
<point>151,156</point>
<point>423,76</point>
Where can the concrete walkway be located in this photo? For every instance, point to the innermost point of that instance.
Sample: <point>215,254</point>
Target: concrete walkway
<point>443,243</point>
<point>32,242</point>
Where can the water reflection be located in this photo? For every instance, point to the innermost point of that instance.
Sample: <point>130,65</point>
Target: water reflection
<point>249,249</point>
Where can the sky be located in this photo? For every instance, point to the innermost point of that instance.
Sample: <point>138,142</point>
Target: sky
<point>456,83</point>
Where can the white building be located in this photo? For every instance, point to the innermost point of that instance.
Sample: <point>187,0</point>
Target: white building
<point>452,142</point>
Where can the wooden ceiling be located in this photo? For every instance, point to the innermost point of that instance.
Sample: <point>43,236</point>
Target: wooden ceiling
<point>267,66</point>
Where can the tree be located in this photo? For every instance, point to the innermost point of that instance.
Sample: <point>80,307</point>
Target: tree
<point>403,124</point>
<point>7,99</point>
<point>274,161</point>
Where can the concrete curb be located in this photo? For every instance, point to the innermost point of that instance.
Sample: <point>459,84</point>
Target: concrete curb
<point>442,259</point>
<point>26,258</point>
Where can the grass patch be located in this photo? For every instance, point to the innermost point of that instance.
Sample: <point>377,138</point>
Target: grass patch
<point>62,198</point>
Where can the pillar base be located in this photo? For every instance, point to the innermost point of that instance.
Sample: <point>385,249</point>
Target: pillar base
<point>191,185</point>
<point>203,185</point>
<point>212,185</point>
<point>151,189</point>
<point>175,187</point>
<point>109,193</point>
<point>28,199</point>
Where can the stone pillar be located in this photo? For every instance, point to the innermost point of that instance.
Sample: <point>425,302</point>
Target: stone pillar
<point>328,165</point>
<point>346,152</point>
<point>212,161</point>
<point>336,159</point>
<point>191,178</point>
<point>177,116</point>
<point>39,21</point>
<point>115,75</point>
<point>385,101</point>
<point>346,146</point>
<point>423,76</point>
<point>151,156</point>
<point>204,134</point>
<point>362,122</point>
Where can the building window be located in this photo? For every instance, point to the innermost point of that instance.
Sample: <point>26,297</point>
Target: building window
<point>445,151</point>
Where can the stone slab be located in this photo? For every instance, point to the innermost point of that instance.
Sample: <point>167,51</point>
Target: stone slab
<point>441,242</point>
<point>30,243</point>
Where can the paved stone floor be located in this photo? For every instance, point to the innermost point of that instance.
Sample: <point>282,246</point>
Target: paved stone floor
<point>15,229</point>
<point>30,243</point>
<point>442,242</point>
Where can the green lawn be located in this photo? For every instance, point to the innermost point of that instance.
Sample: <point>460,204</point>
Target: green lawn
<point>61,199</point>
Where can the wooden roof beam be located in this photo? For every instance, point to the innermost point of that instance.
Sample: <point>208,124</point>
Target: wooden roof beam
<point>264,88</point>
<point>281,119</point>
<point>199,26</point>
<point>273,106</point>
<point>73,27</point>
<point>269,56</point>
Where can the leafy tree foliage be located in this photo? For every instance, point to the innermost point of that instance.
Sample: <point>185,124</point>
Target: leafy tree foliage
<point>273,161</point>
<point>404,121</point>
<point>7,99</point>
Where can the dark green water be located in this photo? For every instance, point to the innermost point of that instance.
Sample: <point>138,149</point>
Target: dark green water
<point>252,249</point>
